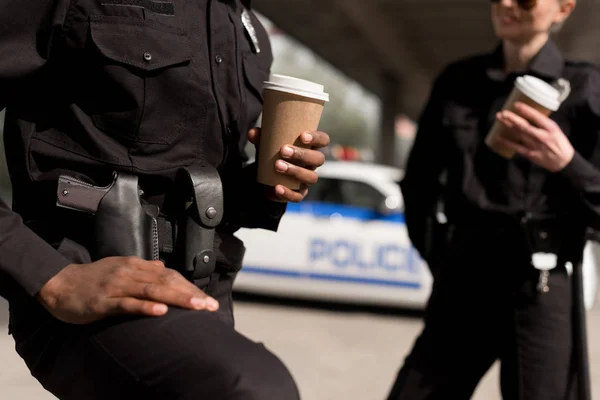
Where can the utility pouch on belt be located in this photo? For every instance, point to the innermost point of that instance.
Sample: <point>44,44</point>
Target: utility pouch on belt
<point>195,244</point>
<point>122,225</point>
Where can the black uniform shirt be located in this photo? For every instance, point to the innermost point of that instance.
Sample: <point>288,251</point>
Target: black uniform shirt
<point>92,86</point>
<point>479,183</point>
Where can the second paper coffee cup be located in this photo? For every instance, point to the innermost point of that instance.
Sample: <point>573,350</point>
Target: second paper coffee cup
<point>533,92</point>
<point>291,106</point>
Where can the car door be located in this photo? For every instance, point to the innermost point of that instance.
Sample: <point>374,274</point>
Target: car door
<point>340,244</point>
<point>356,239</point>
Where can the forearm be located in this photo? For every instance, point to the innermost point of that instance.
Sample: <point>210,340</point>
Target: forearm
<point>419,209</point>
<point>26,257</point>
<point>584,177</point>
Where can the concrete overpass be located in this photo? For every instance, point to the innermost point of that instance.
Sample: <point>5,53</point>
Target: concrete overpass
<point>394,48</point>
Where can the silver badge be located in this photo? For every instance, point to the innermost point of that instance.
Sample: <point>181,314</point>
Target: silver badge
<point>247,21</point>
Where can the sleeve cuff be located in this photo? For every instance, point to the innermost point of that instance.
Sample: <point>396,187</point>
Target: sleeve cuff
<point>579,172</point>
<point>30,261</point>
<point>263,213</point>
<point>260,212</point>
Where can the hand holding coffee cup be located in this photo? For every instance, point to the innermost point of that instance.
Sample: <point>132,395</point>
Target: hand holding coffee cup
<point>541,140</point>
<point>287,155</point>
<point>536,94</point>
<point>298,162</point>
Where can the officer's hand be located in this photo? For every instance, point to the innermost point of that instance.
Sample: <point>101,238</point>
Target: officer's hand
<point>84,293</point>
<point>541,140</point>
<point>298,162</point>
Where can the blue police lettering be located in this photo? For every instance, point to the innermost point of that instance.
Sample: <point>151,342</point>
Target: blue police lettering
<point>346,254</point>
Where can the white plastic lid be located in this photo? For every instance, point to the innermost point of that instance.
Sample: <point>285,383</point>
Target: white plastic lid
<point>296,86</point>
<point>539,91</point>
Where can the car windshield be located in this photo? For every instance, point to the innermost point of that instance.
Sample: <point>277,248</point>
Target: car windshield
<point>345,192</point>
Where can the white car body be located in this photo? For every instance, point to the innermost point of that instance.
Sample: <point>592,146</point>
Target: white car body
<point>342,249</point>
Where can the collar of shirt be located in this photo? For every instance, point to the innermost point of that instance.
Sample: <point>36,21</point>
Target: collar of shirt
<point>548,63</point>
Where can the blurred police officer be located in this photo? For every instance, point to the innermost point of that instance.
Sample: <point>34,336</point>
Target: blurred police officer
<point>501,287</point>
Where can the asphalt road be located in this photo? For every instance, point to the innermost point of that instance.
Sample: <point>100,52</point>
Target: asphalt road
<point>333,352</point>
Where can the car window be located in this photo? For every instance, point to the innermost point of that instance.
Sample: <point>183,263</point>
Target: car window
<point>325,190</point>
<point>346,192</point>
<point>360,194</point>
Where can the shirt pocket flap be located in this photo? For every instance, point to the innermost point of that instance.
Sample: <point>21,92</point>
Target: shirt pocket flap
<point>255,76</point>
<point>141,44</point>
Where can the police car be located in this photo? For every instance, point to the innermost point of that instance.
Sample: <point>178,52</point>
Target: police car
<point>347,242</point>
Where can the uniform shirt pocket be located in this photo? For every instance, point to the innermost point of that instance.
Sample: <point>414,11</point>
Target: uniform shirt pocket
<point>143,89</point>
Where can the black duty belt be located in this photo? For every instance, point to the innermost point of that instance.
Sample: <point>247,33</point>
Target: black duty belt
<point>540,233</point>
<point>123,225</point>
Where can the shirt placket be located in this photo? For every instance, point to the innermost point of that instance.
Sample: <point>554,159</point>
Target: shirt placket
<point>222,42</point>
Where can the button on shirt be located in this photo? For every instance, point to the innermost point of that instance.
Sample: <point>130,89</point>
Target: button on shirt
<point>138,86</point>
<point>478,182</point>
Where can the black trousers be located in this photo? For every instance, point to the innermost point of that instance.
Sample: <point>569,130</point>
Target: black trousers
<point>484,306</point>
<point>184,355</point>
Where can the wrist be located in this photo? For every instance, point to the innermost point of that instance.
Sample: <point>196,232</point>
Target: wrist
<point>566,159</point>
<point>49,293</point>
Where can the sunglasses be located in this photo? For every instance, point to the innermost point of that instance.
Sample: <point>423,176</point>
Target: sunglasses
<point>524,4</point>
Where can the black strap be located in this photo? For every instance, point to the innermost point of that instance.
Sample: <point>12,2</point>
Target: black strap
<point>202,185</point>
<point>228,249</point>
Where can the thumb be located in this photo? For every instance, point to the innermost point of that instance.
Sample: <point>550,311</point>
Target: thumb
<point>254,135</point>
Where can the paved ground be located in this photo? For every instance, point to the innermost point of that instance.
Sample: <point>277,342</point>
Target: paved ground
<point>334,353</point>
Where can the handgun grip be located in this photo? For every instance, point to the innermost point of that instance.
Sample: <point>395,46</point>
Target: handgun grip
<point>74,194</point>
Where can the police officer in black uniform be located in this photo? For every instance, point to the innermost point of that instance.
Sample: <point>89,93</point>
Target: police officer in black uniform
<point>125,127</point>
<point>509,220</point>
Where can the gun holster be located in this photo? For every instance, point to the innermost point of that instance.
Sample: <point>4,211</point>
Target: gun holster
<point>203,191</point>
<point>122,225</point>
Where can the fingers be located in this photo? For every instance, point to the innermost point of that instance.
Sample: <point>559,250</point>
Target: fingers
<point>254,135</point>
<point>299,163</point>
<point>172,296</point>
<point>521,126</point>
<point>315,139</point>
<point>289,195</point>
<point>311,159</point>
<point>519,148</point>
<point>302,175</point>
<point>534,116</point>
<point>152,281</point>
<point>134,306</point>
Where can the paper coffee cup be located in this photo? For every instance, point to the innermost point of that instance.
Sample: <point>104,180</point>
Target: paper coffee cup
<point>291,106</point>
<point>533,92</point>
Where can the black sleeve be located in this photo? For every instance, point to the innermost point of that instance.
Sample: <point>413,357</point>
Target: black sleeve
<point>258,211</point>
<point>585,178</point>
<point>24,256</point>
<point>26,28</point>
<point>583,172</point>
<point>421,186</point>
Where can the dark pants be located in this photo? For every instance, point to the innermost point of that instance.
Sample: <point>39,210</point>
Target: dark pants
<point>186,355</point>
<point>484,307</point>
